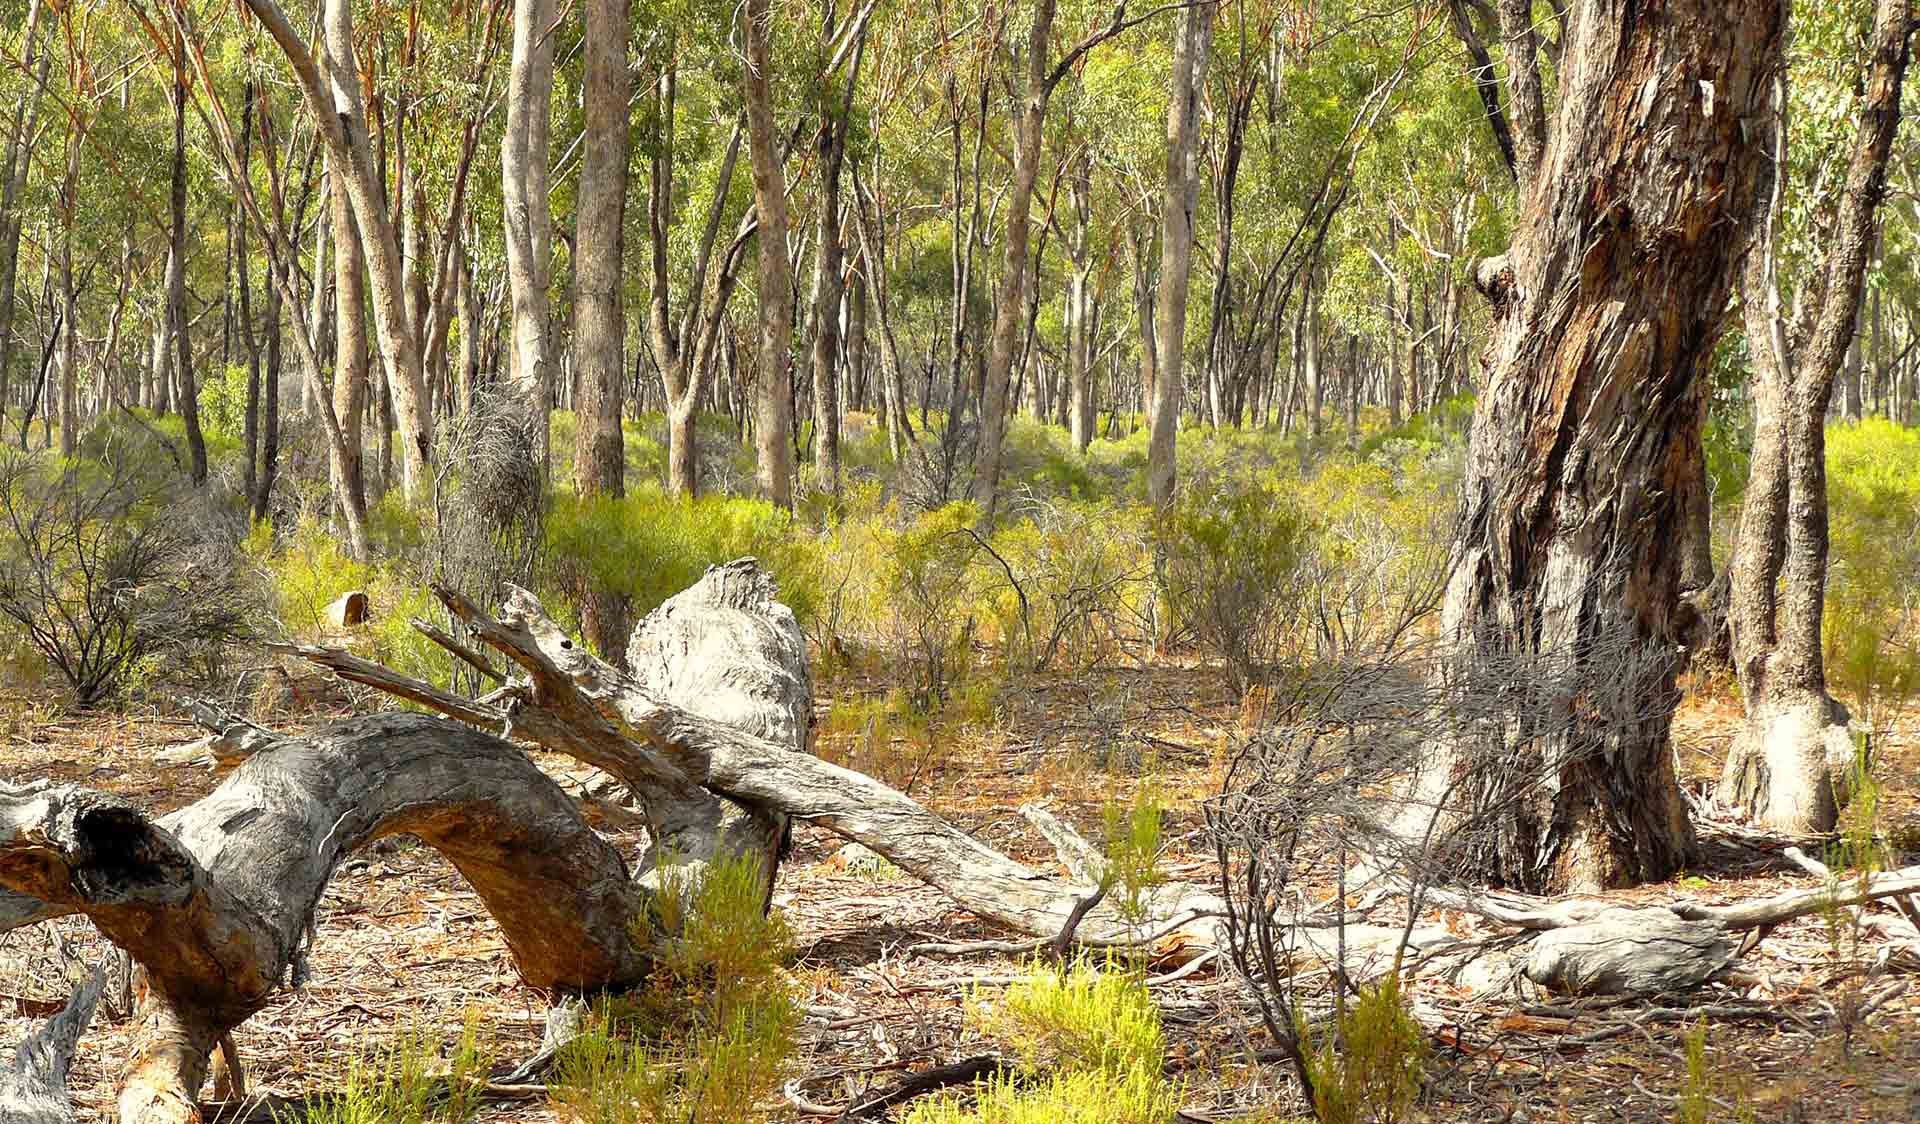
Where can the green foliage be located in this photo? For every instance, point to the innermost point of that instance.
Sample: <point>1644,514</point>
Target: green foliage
<point>649,546</point>
<point>1233,556</point>
<point>1090,1051</point>
<point>406,1082</point>
<point>1872,622</point>
<point>709,1036</point>
<point>1134,830</point>
<point>1370,1069</point>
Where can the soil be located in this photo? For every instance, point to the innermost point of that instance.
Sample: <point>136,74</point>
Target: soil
<point>403,945</point>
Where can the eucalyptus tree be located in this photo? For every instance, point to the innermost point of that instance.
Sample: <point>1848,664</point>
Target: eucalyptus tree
<point>773,394</point>
<point>1788,766</point>
<point>1636,180</point>
<point>1192,44</point>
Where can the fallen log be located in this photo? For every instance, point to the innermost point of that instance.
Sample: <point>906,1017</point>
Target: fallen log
<point>33,1090</point>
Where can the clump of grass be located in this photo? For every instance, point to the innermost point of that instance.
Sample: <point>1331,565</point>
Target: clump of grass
<point>709,1037</point>
<point>408,1082</point>
<point>1370,1069</point>
<point>1089,1048</point>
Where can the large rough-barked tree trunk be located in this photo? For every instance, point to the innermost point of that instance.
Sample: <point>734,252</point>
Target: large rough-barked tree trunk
<point>1788,766</point>
<point>1607,307</point>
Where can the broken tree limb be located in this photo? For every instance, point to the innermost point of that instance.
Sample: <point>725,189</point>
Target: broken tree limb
<point>569,701</point>
<point>1803,903</point>
<point>33,1089</point>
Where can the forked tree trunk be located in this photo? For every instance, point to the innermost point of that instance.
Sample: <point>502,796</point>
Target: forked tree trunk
<point>1789,766</point>
<point>1606,307</point>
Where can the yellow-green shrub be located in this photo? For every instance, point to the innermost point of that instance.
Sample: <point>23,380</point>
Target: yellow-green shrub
<point>649,546</point>
<point>1090,1051</point>
<point>709,1037</point>
<point>1872,621</point>
<point>1369,1071</point>
<point>1232,559</point>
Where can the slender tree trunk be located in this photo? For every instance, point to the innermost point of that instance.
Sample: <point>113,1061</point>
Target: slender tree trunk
<point>1011,305</point>
<point>1190,50</point>
<point>1789,766</point>
<point>525,171</point>
<point>600,310</point>
<point>34,61</point>
<point>773,434</point>
<point>829,282</point>
<point>352,365</point>
<point>1606,309</point>
<point>600,321</point>
<point>176,276</point>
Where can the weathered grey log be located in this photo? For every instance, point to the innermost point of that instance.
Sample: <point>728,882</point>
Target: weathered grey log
<point>569,701</point>
<point>33,1089</point>
<point>1628,951</point>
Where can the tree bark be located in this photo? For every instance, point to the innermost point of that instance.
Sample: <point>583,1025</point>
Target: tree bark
<point>528,215</point>
<point>351,359</point>
<point>19,158</point>
<point>600,310</point>
<point>177,268</point>
<point>1190,51</point>
<point>1606,310</point>
<point>1789,766</point>
<point>600,317</point>
<point>1010,305</point>
<point>773,393</point>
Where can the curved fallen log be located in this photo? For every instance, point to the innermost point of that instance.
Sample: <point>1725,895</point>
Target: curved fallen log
<point>656,729</point>
<point>216,901</point>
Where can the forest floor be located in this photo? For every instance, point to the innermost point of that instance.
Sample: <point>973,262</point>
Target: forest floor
<point>403,943</point>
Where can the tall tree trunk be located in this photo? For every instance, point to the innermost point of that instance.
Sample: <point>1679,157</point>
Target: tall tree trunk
<point>270,420</point>
<point>19,157</point>
<point>829,282</point>
<point>773,395</point>
<point>528,216</point>
<point>600,320</point>
<point>1193,44</point>
<point>1789,766</point>
<point>1606,308</point>
<point>1080,404</point>
<point>600,310</point>
<point>352,366</point>
<point>69,331</point>
<point>1011,305</point>
<point>176,271</point>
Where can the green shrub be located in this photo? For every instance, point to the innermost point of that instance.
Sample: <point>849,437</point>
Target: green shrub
<point>709,1037</point>
<point>1134,831</point>
<point>649,546</point>
<point>1232,565</point>
<point>1872,622</point>
<point>1371,1069</point>
<point>1089,1048</point>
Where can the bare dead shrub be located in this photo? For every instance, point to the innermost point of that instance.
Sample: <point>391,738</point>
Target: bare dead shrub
<point>1340,784</point>
<point>105,564</point>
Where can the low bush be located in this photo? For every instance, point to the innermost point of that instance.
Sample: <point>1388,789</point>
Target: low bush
<point>1872,622</point>
<point>1369,1069</point>
<point>1090,1051</point>
<point>709,1037</point>
<point>106,567</point>
<point>1232,559</point>
<point>648,546</point>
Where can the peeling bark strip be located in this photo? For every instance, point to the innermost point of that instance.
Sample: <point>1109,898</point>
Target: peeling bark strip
<point>1616,287</point>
